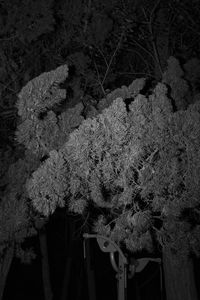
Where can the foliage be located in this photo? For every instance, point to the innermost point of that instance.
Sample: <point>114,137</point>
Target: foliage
<point>41,130</point>
<point>16,219</point>
<point>135,40</point>
<point>106,44</point>
<point>192,73</point>
<point>27,20</point>
<point>55,160</point>
<point>179,86</point>
<point>124,92</point>
<point>129,168</point>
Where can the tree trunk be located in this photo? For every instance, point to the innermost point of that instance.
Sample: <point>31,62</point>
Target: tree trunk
<point>70,229</point>
<point>179,278</point>
<point>48,295</point>
<point>5,267</point>
<point>66,279</point>
<point>90,272</point>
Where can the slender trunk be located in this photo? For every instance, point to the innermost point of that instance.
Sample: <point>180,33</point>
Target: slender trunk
<point>66,279</point>
<point>48,294</point>
<point>5,267</point>
<point>179,278</point>
<point>70,228</point>
<point>90,272</point>
<point>79,295</point>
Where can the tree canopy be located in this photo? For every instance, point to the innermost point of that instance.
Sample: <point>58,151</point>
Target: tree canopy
<point>134,169</point>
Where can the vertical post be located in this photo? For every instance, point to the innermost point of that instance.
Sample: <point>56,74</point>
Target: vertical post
<point>107,245</point>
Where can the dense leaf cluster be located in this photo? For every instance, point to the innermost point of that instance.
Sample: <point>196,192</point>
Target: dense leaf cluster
<point>41,130</point>
<point>133,166</point>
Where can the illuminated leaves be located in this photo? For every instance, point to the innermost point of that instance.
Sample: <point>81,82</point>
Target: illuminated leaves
<point>49,184</point>
<point>128,165</point>
<point>41,130</point>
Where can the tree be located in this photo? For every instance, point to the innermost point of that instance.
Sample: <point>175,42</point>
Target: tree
<point>105,43</point>
<point>18,221</point>
<point>135,170</point>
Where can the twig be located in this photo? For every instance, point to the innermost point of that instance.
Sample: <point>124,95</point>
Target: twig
<point>87,12</point>
<point>136,73</point>
<point>103,56</point>
<point>99,80</point>
<point>153,11</point>
<point>142,58</point>
<point>101,83</point>
<point>111,60</point>
<point>143,48</point>
<point>149,22</point>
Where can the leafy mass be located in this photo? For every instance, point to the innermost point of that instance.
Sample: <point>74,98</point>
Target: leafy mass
<point>41,129</point>
<point>131,171</point>
<point>135,170</point>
